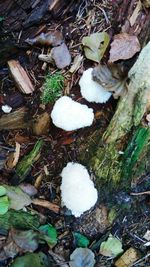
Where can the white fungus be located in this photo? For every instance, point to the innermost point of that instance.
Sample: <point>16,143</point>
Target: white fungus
<point>77,189</point>
<point>91,90</point>
<point>6,109</point>
<point>70,115</point>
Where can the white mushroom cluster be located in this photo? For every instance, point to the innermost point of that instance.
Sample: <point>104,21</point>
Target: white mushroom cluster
<point>70,115</point>
<point>77,189</point>
<point>91,90</point>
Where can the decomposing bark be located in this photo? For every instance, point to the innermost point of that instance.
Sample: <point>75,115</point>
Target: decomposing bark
<point>24,166</point>
<point>15,120</point>
<point>20,77</point>
<point>127,136</point>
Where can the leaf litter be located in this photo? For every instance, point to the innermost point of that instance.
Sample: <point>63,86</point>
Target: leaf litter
<point>41,224</point>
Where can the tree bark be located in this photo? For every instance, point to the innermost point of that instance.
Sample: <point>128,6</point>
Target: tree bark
<point>127,135</point>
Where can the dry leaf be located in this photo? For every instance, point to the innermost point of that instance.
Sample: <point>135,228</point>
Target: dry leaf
<point>41,124</point>
<point>13,158</point>
<point>128,258</point>
<point>135,13</point>
<point>53,38</point>
<point>124,46</point>
<point>61,56</point>
<point>95,45</point>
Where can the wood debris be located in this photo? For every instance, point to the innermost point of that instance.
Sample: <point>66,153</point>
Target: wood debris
<point>20,77</point>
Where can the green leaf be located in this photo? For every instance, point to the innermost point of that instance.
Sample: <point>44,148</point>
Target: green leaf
<point>1,18</point>
<point>95,45</point>
<point>32,259</point>
<point>4,205</point>
<point>2,191</point>
<point>81,240</point>
<point>82,257</point>
<point>49,234</point>
<point>18,199</point>
<point>112,247</point>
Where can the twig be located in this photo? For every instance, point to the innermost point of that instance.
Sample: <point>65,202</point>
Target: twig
<point>140,193</point>
<point>46,204</point>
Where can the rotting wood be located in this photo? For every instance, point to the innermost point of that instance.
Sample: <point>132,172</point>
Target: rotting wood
<point>20,77</point>
<point>15,120</point>
<point>126,136</point>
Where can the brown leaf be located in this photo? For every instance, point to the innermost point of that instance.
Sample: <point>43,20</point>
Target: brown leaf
<point>135,13</point>
<point>53,38</point>
<point>61,56</point>
<point>13,158</point>
<point>42,124</point>
<point>124,46</point>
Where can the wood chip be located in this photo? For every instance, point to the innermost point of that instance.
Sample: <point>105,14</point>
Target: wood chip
<point>20,77</point>
<point>128,258</point>
<point>46,204</point>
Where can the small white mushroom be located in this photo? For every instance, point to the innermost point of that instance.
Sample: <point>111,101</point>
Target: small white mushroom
<point>6,109</point>
<point>70,115</point>
<point>77,189</point>
<point>91,90</point>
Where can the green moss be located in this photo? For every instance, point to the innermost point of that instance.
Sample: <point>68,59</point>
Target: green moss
<point>52,87</point>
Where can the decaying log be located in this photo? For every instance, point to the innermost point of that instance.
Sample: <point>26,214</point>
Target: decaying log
<point>20,77</point>
<point>127,136</point>
<point>15,120</point>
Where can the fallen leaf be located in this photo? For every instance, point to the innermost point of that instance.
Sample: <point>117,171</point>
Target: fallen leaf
<point>18,199</point>
<point>42,124</point>
<point>110,79</point>
<point>28,189</point>
<point>128,258</point>
<point>61,56</point>
<point>2,191</point>
<point>124,46</point>
<point>111,248</point>
<point>76,63</point>
<point>4,205</point>
<point>81,240</point>
<point>53,38</point>
<point>20,241</point>
<point>13,158</point>
<point>37,260</point>
<point>135,13</point>
<point>26,240</point>
<point>49,234</point>
<point>95,45</point>
<point>82,257</point>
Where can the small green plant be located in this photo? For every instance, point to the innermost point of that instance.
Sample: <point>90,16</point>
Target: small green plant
<point>52,87</point>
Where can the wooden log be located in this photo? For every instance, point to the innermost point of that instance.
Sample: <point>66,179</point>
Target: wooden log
<point>15,120</point>
<point>126,137</point>
<point>20,77</point>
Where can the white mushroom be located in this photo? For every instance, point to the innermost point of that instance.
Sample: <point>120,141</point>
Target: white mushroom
<point>70,115</point>
<point>77,189</point>
<point>91,90</point>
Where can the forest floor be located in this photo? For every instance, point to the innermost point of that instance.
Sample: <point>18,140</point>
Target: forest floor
<point>19,23</point>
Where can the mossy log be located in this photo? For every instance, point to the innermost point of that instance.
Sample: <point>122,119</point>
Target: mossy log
<point>127,136</point>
